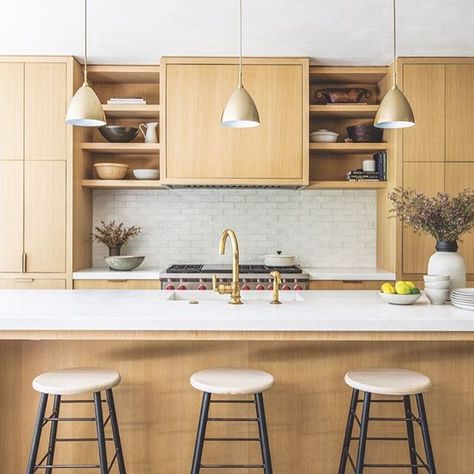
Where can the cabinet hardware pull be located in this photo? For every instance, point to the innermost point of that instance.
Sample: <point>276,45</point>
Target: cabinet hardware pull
<point>24,280</point>
<point>23,262</point>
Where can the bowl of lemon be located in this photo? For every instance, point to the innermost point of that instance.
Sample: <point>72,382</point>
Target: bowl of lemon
<point>403,292</point>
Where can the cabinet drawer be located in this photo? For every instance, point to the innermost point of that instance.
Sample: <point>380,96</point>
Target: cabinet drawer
<point>32,284</point>
<point>345,284</point>
<point>117,285</point>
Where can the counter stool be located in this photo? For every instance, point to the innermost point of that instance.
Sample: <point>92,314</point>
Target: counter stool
<point>76,381</point>
<point>232,382</point>
<point>394,382</point>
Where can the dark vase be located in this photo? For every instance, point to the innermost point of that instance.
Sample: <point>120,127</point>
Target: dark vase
<point>114,251</point>
<point>445,246</point>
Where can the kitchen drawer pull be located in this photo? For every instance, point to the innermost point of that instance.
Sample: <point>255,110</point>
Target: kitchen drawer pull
<point>24,280</point>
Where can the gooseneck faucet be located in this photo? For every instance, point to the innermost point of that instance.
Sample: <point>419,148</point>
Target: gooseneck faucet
<point>234,288</point>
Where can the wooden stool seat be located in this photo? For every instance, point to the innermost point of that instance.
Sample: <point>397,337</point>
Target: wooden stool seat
<point>76,381</point>
<point>232,381</point>
<point>388,381</point>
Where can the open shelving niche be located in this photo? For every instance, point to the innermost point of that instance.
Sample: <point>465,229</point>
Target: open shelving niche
<point>109,81</point>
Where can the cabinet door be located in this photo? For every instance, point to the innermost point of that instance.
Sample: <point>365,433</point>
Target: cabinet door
<point>11,111</point>
<point>460,112</point>
<point>32,284</point>
<point>117,284</point>
<point>460,176</point>
<point>197,147</point>
<point>427,178</point>
<point>11,215</point>
<point>424,86</point>
<point>45,111</point>
<point>45,216</point>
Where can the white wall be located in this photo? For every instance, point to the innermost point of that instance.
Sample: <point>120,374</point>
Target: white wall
<point>323,228</point>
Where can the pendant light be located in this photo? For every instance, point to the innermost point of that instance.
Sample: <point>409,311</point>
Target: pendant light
<point>394,110</point>
<point>85,109</point>
<point>240,110</point>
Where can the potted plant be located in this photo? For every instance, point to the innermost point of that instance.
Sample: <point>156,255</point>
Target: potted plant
<point>446,218</point>
<point>115,236</point>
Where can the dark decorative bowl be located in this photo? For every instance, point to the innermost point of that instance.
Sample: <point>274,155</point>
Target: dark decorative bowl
<point>365,133</point>
<point>343,96</point>
<point>117,134</point>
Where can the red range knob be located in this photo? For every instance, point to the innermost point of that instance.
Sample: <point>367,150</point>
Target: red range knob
<point>270,287</point>
<point>182,287</point>
<point>202,287</point>
<point>260,287</point>
<point>297,287</point>
<point>245,287</point>
<point>286,287</point>
<point>169,287</point>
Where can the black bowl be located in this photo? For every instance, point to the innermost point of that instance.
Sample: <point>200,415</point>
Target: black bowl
<point>365,133</point>
<point>117,134</point>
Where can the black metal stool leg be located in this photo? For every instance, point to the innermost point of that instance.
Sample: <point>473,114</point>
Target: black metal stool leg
<point>348,435</point>
<point>199,446</point>
<point>262,429</point>
<point>364,425</point>
<point>115,431</point>
<point>37,434</point>
<point>426,433</point>
<point>99,421</point>
<point>410,434</point>
<point>53,434</point>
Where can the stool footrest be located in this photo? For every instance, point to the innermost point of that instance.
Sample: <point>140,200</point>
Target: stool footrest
<point>73,440</point>
<point>232,419</point>
<point>231,439</point>
<point>68,466</point>
<point>232,401</point>
<point>232,466</point>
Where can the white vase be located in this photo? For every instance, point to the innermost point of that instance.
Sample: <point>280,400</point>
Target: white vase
<point>446,261</point>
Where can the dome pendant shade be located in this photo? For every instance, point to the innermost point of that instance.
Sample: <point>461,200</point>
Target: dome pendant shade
<point>85,109</point>
<point>240,110</point>
<point>394,111</point>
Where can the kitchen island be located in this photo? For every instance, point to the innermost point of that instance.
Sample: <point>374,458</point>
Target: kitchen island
<point>157,339</point>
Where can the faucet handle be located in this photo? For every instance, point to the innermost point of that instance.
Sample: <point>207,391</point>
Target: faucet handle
<point>214,283</point>
<point>276,276</point>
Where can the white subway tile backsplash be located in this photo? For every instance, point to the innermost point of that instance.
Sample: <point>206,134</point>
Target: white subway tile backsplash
<point>323,228</point>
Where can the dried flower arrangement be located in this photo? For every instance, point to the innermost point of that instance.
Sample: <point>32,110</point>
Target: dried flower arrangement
<point>443,216</point>
<point>114,235</point>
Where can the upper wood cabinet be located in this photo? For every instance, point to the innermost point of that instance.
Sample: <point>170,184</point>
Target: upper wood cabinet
<point>424,86</point>
<point>11,111</point>
<point>195,149</point>
<point>460,112</point>
<point>45,111</point>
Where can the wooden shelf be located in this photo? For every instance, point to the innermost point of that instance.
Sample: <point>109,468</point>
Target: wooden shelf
<point>347,75</point>
<point>343,111</point>
<point>118,74</point>
<point>122,184</point>
<point>347,147</point>
<point>147,111</point>
<point>131,148</point>
<point>347,185</point>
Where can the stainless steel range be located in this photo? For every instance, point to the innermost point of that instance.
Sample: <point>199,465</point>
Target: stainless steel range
<point>252,277</point>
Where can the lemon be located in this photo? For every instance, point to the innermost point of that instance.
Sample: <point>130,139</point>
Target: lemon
<point>410,284</point>
<point>402,288</point>
<point>388,288</point>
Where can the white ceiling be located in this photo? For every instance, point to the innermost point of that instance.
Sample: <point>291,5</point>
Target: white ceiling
<point>329,31</point>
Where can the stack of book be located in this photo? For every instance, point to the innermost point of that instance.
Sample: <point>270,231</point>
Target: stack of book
<point>126,101</point>
<point>381,165</point>
<point>380,173</point>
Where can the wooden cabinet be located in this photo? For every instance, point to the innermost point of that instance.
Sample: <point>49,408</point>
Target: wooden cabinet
<point>460,113</point>
<point>32,284</point>
<point>11,111</point>
<point>11,215</point>
<point>424,86</point>
<point>117,284</point>
<point>345,284</point>
<point>45,111</point>
<point>195,149</point>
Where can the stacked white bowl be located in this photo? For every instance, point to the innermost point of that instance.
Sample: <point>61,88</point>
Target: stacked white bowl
<point>437,288</point>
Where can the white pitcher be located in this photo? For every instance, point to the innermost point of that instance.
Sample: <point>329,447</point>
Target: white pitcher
<point>150,132</point>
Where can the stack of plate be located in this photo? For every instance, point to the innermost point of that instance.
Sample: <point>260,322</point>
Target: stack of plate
<point>463,298</point>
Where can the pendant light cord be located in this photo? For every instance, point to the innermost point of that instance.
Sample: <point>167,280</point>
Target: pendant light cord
<point>85,42</point>
<point>394,12</point>
<point>240,48</point>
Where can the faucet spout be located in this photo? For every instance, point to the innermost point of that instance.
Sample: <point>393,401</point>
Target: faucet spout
<point>235,285</point>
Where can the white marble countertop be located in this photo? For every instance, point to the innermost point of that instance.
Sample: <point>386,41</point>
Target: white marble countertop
<point>349,274</point>
<point>135,310</point>
<point>97,273</point>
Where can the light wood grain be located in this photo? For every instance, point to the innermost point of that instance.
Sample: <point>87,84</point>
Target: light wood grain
<point>117,148</point>
<point>460,112</point>
<point>424,87</point>
<point>11,111</point>
<point>122,184</point>
<point>345,285</point>
<point>198,148</point>
<point>124,73</point>
<point>427,178</point>
<point>347,147</point>
<point>45,216</point>
<point>346,185</point>
<point>148,111</point>
<point>460,176</point>
<point>27,283</point>
<point>306,415</point>
<point>347,74</point>
<point>45,111</point>
<point>117,285</point>
<point>343,110</point>
<point>11,214</point>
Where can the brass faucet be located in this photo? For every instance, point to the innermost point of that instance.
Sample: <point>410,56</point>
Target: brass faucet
<point>234,288</point>
<point>276,287</point>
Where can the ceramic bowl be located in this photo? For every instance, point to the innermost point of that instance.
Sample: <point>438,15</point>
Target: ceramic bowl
<point>117,134</point>
<point>111,170</point>
<point>437,285</point>
<point>400,299</point>
<point>323,136</point>
<point>431,278</point>
<point>124,263</point>
<point>146,174</point>
<point>437,296</point>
